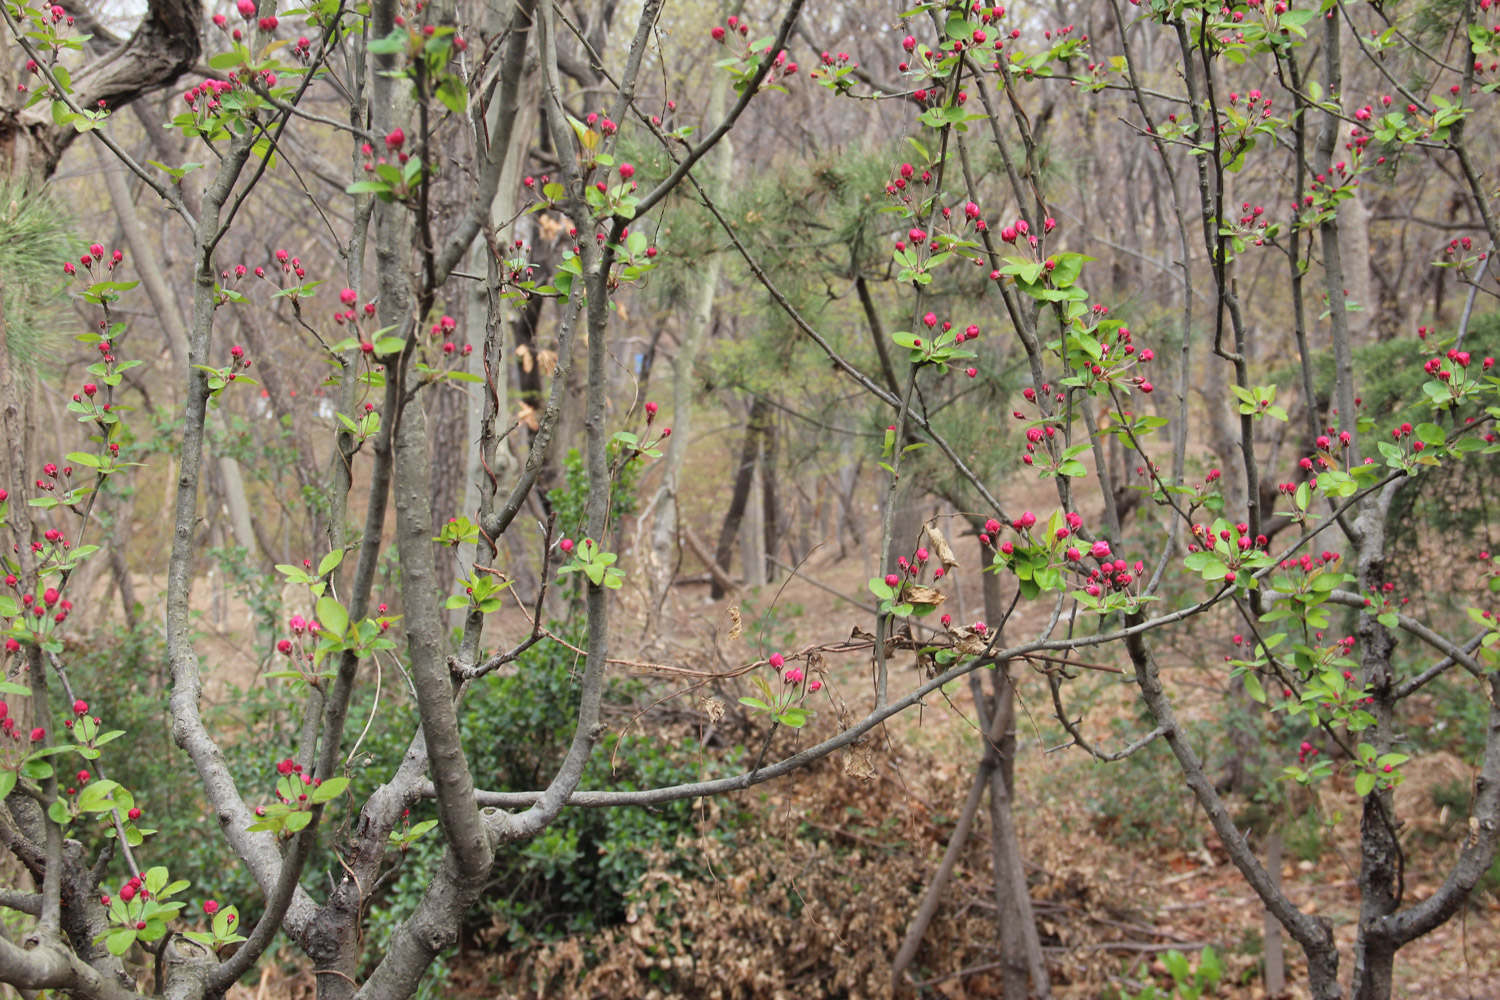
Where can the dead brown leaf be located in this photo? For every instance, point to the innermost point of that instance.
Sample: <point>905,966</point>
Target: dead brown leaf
<point>940,545</point>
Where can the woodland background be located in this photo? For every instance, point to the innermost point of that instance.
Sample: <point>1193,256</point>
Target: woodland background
<point>755,529</point>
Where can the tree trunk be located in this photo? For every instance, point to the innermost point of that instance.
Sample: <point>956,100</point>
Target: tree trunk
<point>906,526</point>
<point>1020,945</point>
<point>665,530</point>
<point>760,411</point>
<point>770,507</point>
<point>753,528</point>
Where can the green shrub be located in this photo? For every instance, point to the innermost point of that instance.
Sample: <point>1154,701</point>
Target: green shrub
<point>576,876</point>
<point>126,676</point>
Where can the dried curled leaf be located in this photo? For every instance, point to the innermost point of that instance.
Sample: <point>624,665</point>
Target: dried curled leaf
<point>528,360</point>
<point>968,642</point>
<point>549,227</point>
<point>859,762</point>
<point>940,545</point>
<point>736,624</point>
<point>918,594</point>
<point>713,708</point>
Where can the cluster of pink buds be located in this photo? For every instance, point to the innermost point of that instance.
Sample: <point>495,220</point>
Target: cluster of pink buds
<point>1018,229</point>
<point>1234,541</point>
<point>204,97</point>
<point>1325,441</point>
<point>913,567</point>
<point>518,268</point>
<point>289,265</point>
<point>132,888</point>
<point>299,627</point>
<point>908,174</point>
<point>1257,105</point>
<point>51,473</point>
<point>95,258</point>
<point>1307,562</point>
<point>1306,752</point>
<point>734,24</point>
<point>1359,139</point>
<point>442,330</point>
<point>1387,601</point>
<point>394,140</point>
<point>248,12</point>
<point>80,710</point>
<point>791,675</point>
<point>49,603</point>
<point>603,123</point>
<point>1034,437</point>
<point>1112,573</point>
<point>346,312</point>
<point>1253,219</point>
<point>1462,244</point>
<point>308,781</point>
<point>238,362</point>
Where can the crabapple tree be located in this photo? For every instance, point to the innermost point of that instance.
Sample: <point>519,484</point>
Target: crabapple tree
<point>1255,132</point>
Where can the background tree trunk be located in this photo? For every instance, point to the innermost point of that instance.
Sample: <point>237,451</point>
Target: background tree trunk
<point>760,413</point>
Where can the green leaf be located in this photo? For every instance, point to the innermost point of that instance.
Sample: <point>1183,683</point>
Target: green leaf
<point>1430,433</point>
<point>297,821</point>
<point>7,783</point>
<point>1253,687</point>
<point>332,616</point>
<point>396,41</point>
<point>225,60</point>
<point>96,797</point>
<point>224,920</point>
<point>453,94</point>
<point>293,574</point>
<point>330,562</point>
<point>328,790</point>
<point>1364,784</point>
<point>119,940</point>
<point>794,717</point>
